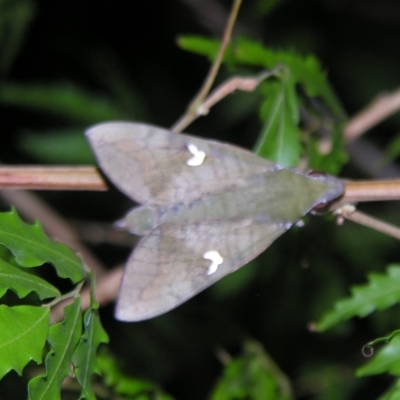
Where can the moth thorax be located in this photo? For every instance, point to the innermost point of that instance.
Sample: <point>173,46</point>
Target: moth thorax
<point>141,220</point>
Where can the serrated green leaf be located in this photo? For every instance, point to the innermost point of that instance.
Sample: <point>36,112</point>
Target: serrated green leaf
<point>387,360</point>
<point>61,147</point>
<point>23,332</point>
<point>67,101</point>
<point>23,283</point>
<point>31,247</point>
<point>63,339</point>
<point>280,136</point>
<point>382,291</point>
<point>305,71</point>
<point>84,358</point>
<point>252,376</point>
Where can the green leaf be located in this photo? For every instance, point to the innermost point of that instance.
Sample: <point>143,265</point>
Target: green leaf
<point>126,385</point>
<point>382,291</point>
<point>280,136</point>
<point>281,106</point>
<point>63,339</point>
<point>31,247</point>
<point>252,376</point>
<point>84,358</point>
<point>61,147</point>
<point>387,360</point>
<point>23,332</point>
<point>306,70</point>
<point>335,158</point>
<point>393,393</point>
<point>23,283</point>
<point>67,101</point>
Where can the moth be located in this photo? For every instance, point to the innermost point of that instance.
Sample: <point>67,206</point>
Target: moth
<point>206,209</point>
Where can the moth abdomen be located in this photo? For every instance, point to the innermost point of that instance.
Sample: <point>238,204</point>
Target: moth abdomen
<point>139,221</point>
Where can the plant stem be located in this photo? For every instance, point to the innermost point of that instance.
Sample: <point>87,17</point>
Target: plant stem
<point>191,112</point>
<point>358,191</point>
<point>51,178</point>
<point>379,109</point>
<point>366,220</point>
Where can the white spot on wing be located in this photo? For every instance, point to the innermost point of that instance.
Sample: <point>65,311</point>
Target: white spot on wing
<point>215,258</point>
<point>198,156</point>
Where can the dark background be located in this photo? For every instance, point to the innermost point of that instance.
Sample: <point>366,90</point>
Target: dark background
<point>94,44</point>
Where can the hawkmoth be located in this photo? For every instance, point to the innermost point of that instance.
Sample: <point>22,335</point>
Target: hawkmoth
<point>206,209</point>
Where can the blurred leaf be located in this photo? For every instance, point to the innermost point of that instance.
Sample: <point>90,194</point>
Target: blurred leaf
<point>326,380</point>
<point>63,338</point>
<point>67,101</point>
<point>332,160</point>
<point>15,16</point>
<point>392,150</point>
<point>84,357</point>
<point>32,247</point>
<point>61,147</point>
<point>122,384</point>
<point>23,332</point>
<point>382,291</point>
<point>23,283</point>
<point>280,136</point>
<point>306,70</point>
<point>393,393</point>
<point>387,360</point>
<point>263,7</point>
<point>254,376</point>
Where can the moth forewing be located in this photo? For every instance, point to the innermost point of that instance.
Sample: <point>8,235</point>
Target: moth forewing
<point>207,208</point>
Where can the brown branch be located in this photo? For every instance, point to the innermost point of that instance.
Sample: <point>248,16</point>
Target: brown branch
<point>191,113</point>
<point>379,109</point>
<point>51,178</point>
<point>359,191</point>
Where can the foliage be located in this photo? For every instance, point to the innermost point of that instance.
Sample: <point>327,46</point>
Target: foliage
<point>280,138</point>
<point>254,376</point>
<point>26,328</point>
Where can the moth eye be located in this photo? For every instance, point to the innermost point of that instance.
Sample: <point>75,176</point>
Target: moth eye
<point>215,258</point>
<point>198,156</point>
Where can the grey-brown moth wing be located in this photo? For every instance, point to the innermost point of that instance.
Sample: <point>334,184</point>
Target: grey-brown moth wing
<point>150,164</point>
<point>169,265</point>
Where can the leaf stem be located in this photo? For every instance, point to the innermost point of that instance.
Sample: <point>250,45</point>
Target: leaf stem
<point>73,293</point>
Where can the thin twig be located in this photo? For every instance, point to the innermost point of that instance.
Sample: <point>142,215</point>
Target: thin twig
<point>51,178</point>
<point>243,83</point>
<point>379,109</point>
<point>191,112</point>
<point>371,222</point>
